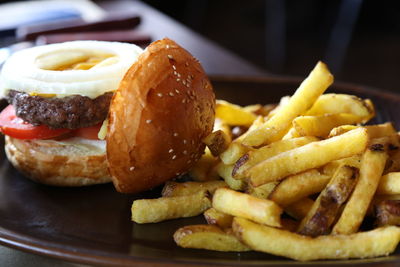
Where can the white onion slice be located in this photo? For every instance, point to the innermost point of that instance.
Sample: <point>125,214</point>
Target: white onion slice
<point>21,73</point>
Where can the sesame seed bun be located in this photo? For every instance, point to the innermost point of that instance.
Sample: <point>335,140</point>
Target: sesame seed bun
<point>158,117</point>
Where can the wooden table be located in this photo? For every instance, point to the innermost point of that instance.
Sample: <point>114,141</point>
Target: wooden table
<point>215,59</point>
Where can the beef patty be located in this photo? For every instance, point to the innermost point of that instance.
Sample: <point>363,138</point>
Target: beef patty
<point>70,112</point>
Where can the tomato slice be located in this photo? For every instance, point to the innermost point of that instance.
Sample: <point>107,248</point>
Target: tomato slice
<point>15,127</point>
<point>90,132</point>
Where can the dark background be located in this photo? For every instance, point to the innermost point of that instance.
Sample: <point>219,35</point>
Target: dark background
<point>358,39</point>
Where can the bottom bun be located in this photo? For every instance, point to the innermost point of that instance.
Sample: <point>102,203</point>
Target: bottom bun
<point>70,162</point>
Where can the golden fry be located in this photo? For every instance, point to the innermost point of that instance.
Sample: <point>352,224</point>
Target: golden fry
<point>218,141</point>
<point>327,205</point>
<point>254,157</point>
<point>342,103</point>
<point>374,243</point>
<point>322,125</point>
<point>313,155</point>
<point>166,208</point>
<point>218,218</point>
<point>173,189</point>
<point>276,127</point>
<point>389,184</point>
<point>225,171</point>
<point>298,186</point>
<point>208,237</point>
<point>233,114</point>
<point>243,205</point>
<point>372,165</point>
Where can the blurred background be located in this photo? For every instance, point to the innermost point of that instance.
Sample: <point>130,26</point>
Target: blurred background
<point>359,39</point>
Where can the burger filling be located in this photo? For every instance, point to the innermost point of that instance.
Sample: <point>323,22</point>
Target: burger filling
<point>63,90</point>
<point>70,112</point>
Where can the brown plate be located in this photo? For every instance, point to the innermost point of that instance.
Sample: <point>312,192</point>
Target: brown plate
<point>92,225</point>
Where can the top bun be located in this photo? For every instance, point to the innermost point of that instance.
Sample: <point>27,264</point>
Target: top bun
<point>158,117</point>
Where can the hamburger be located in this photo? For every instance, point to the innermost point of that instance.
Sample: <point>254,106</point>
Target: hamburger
<point>153,107</point>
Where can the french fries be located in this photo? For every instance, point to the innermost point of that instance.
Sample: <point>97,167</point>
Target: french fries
<point>161,209</point>
<point>218,141</point>
<point>342,103</point>
<point>254,157</point>
<point>239,204</point>
<point>309,156</point>
<point>326,207</point>
<point>298,186</point>
<point>372,165</point>
<point>233,114</point>
<point>389,184</point>
<point>218,218</point>
<point>173,189</point>
<point>378,242</point>
<point>208,237</point>
<point>322,125</point>
<point>276,127</point>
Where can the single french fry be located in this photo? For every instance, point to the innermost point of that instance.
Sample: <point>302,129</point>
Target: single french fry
<point>300,208</point>
<point>202,170</point>
<point>389,184</point>
<point>254,157</point>
<point>173,189</point>
<point>313,155</point>
<point>166,208</point>
<point>372,165</point>
<point>374,131</point>
<point>327,205</point>
<point>342,103</point>
<point>322,125</point>
<point>374,243</point>
<point>263,191</point>
<point>218,141</point>
<point>298,186</point>
<point>225,171</point>
<point>233,114</point>
<point>243,205</point>
<point>208,237</point>
<point>276,127</point>
<point>218,218</point>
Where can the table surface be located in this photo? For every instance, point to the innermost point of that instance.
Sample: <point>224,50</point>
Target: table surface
<point>215,59</point>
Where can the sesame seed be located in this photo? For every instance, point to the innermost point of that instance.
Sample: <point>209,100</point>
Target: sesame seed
<point>187,64</point>
<point>132,168</point>
<point>189,161</point>
<point>159,94</point>
<point>177,174</point>
<point>175,134</point>
<point>175,73</point>
<point>192,142</point>
<point>174,157</point>
<point>167,46</point>
<point>171,94</point>
<point>170,151</point>
<point>184,152</point>
<point>178,80</point>
<point>170,56</point>
<point>173,66</point>
<point>177,91</point>
<point>184,141</point>
<point>187,85</point>
<point>184,100</point>
<point>179,75</point>
<point>148,121</point>
<point>184,82</point>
